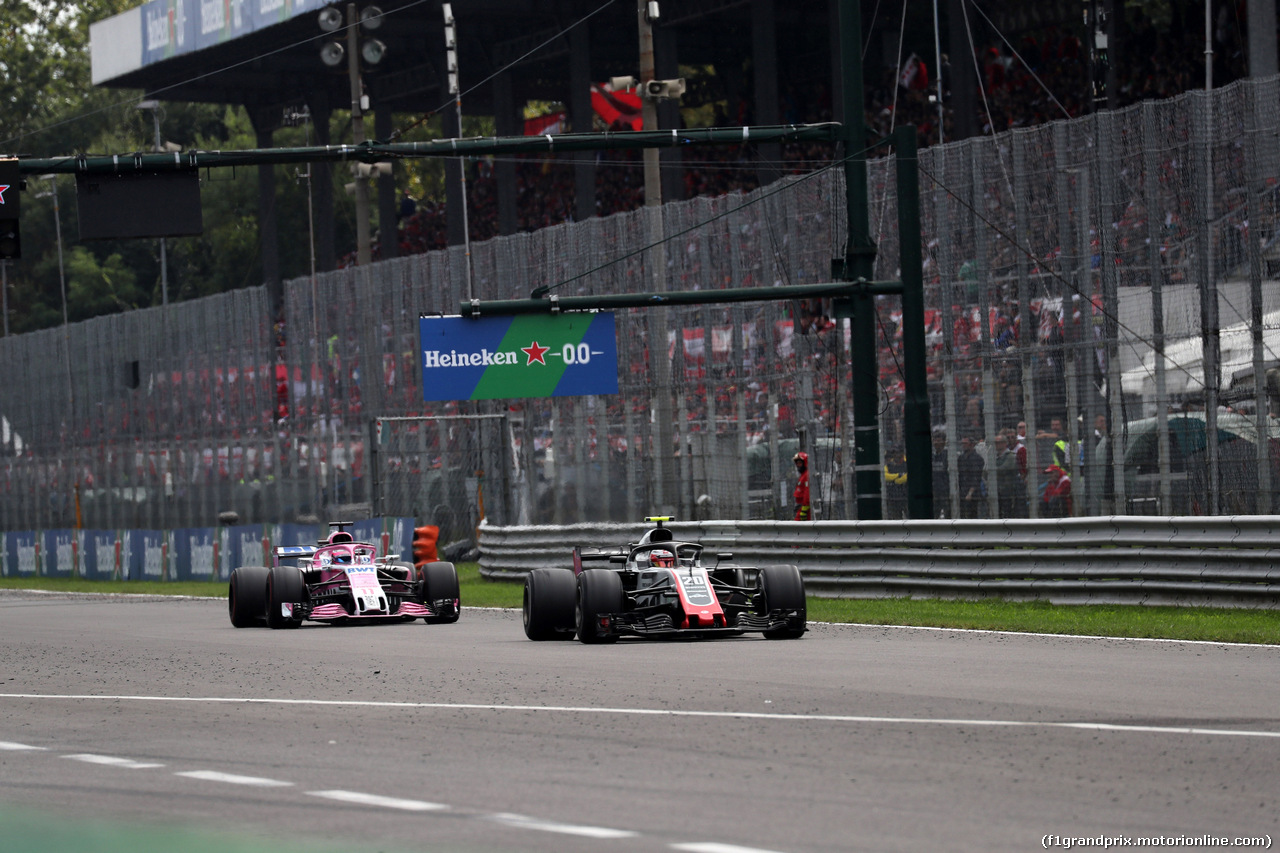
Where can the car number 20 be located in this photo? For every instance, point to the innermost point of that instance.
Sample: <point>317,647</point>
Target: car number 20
<point>695,587</point>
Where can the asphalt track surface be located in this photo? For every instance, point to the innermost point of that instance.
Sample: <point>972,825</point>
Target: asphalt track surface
<point>152,724</point>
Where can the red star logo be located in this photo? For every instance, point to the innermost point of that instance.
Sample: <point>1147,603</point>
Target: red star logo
<point>535,352</point>
<point>3,187</point>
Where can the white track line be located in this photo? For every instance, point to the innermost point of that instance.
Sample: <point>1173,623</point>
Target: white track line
<point>375,800</point>
<point>1050,636</point>
<point>515,821</point>
<point>113,761</point>
<point>522,822</point>
<point>659,712</point>
<point>715,847</point>
<point>10,746</point>
<point>233,779</point>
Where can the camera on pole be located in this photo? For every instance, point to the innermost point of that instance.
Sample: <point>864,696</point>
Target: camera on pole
<point>661,90</point>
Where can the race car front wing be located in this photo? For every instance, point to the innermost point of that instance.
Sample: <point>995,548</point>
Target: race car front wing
<point>662,624</point>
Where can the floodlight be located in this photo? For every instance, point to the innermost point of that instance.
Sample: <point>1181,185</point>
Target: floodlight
<point>371,18</point>
<point>332,53</point>
<point>372,51</point>
<point>330,19</point>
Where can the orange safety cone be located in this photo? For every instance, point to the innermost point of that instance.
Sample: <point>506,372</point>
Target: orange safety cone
<point>424,545</point>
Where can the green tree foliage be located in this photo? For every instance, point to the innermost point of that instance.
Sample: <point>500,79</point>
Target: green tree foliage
<point>100,286</point>
<point>228,255</point>
<point>44,66</point>
<point>49,108</point>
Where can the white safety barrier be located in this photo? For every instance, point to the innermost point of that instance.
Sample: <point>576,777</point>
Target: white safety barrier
<point>1226,561</point>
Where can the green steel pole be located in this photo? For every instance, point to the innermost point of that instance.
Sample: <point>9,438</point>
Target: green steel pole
<point>554,304</point>
<point>916,414</point>
<point>364,244</point>
<point>859,263</point>
<point>372,152</point>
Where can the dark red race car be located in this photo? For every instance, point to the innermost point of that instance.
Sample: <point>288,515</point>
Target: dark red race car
<point>660,587</point>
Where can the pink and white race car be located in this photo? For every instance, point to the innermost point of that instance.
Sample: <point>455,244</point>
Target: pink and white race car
<point>340,580</point>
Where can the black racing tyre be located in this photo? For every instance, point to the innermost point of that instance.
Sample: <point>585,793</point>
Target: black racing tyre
<point>550,596</point>
<point>599,593</point>
<point>284,586</point>
<point>440,593</point>
<point>247,596</point>
<point>782,588</point>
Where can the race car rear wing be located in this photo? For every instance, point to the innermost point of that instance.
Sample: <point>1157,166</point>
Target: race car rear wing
<point>580,556</point>
<point>295,551</point>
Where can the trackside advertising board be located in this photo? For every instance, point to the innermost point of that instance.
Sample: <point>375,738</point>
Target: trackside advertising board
<point>529,355</point>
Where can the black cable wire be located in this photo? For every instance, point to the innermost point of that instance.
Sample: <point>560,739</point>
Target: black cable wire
<point>762,197</point>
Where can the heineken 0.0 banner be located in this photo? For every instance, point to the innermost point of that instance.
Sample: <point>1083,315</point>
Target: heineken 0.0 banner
<point>529,355</point>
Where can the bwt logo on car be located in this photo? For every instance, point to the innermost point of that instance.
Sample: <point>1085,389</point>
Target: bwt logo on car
<point>453,358</point>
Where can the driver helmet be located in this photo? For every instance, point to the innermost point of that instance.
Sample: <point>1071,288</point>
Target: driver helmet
<point>801,459</point>
<point>662,558</point>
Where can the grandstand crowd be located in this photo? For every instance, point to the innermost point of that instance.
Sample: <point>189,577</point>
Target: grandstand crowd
<point>1043,78</point>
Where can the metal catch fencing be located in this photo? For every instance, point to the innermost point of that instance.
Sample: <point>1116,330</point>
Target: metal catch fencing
<point>1061,262</point>
<point>1197,561</point>
<point>451,469</point>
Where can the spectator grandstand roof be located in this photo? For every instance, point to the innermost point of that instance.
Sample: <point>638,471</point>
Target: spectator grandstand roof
<point>265,55</point>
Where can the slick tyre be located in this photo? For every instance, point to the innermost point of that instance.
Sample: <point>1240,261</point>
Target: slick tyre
<point>550,597</point>
<point>782,588</point>
<point>599,595</point>
<point>284,586</point>
<point>247,596</point>
<point>440,593</point>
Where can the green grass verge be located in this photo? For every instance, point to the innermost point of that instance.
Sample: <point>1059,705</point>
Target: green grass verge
<point>1216,624</point>
<point>28,830</point>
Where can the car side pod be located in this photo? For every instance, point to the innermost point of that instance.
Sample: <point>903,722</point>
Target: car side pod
<point>550,601</point>
<point>247,596</point>
<point>600,595</point>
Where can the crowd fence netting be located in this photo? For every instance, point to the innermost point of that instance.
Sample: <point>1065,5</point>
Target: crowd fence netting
<point>1060,262</point>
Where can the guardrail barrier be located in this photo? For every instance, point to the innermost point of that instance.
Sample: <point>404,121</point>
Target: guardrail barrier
<point>1223,561</point>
